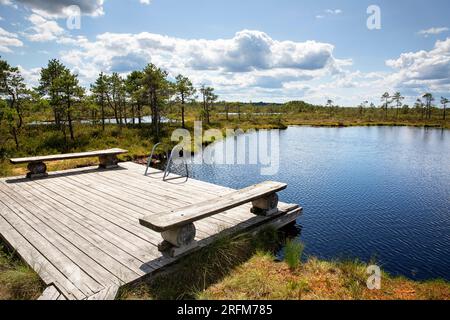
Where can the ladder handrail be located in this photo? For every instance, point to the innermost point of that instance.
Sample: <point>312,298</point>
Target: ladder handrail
<point>149,160</point>
<point>169,161</point>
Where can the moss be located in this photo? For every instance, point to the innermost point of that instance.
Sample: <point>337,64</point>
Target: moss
<point>263,278</point>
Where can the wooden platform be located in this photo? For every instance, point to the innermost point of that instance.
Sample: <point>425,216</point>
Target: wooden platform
<point>79,229</point>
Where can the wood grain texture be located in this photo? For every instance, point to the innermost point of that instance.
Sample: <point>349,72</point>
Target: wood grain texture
<point>66,156</point>
<point>181,216</point>
<point>79,229</point>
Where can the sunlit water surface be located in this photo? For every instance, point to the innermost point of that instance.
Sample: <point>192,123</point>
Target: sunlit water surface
<point>367,192</point>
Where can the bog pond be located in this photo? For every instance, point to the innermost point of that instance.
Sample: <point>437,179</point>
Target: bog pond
<point>378,193</point>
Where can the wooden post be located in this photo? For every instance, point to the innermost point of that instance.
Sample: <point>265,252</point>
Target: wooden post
<point>266,206</point>
<point>37,169</point>
<point>108,161</point>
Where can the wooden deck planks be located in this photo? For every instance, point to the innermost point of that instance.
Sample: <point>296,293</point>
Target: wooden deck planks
<point>88,242</point>
<point>87,220</point>
<point>72,276</point>
<point>109,293</point>
<point>36,260</point>
<point>78,264</point>
<point>51,293</point>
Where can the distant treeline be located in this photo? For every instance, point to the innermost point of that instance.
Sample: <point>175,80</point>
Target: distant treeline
<point>61,99</point>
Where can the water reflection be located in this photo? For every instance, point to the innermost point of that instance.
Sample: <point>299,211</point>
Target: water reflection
<point>366,192</point>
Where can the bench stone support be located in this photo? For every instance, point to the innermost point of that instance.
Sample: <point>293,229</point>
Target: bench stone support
<point>108,161</point>
<point>177,225</point>
<point>178,241</point>
<point>179,237</point>
<point>265,206</point>
<point>36,169</point>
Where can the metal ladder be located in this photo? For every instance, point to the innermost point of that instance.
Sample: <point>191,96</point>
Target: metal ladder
<point>177,148</point>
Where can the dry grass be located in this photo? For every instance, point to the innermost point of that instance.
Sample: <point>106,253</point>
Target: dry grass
<point>240,268</point>
<point>17,280</point>
<point>262,278</point>
<point>198,271</point>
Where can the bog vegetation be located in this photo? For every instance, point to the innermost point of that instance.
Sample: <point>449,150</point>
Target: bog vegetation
<point>244,267</point>
<point>59,115</point>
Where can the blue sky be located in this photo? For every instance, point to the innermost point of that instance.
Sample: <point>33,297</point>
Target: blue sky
<point>248,50</point>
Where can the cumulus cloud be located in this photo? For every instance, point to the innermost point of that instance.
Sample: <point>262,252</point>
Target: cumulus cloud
<point>424,69</point>
<point>433,31</point>
<point>413,73</point>
<point>249,61</point>
<point>247,51</point>
<point>62,8</point>
<point>31,76</point>
<point>59,8</point>
<point>7,40</point>
<point>43,29</point>
<point>8,3</point>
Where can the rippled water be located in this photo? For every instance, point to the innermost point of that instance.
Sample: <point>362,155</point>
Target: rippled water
<point>367,192</point>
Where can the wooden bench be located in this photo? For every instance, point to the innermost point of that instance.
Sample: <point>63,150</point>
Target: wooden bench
<point>177,226</point>
<point>37,168</point>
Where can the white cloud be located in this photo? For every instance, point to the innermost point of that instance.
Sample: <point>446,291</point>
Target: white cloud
<point>413,73</point>
<point>7,40</point>
<point>31,76</point>
<point>43,29</point>
<point>424,69</point>
<point>58,9</point>
<point>329,12</point>
<point>253,66</point>
<point>250,59</point>
<point>333,11</point>
<point>247,51</point>
<point>8,3</point>
<point>433,31</point>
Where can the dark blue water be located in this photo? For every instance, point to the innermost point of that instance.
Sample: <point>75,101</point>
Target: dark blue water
<point>367,192</point>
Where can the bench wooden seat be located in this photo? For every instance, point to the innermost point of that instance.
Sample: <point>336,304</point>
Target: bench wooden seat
<point>177,228</point>
<point>37,168</point>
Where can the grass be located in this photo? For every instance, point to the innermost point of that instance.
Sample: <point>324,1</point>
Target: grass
<point>231,268</point>
<point>243,268</point>
<point>17,280</point>
<point>262,278</point>
<point>293,251</point>
<point>198,271</point>
<point>138,139</point>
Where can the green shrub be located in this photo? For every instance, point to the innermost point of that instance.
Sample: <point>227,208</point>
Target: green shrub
<point>293,251</point>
